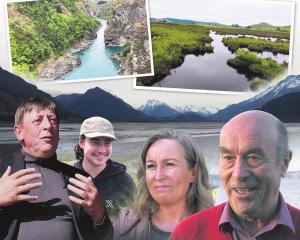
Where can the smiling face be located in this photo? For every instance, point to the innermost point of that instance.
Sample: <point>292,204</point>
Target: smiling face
<point>167,174</point>
<point>250,168</point>
<point>96,152</point>
<point>38,133</point>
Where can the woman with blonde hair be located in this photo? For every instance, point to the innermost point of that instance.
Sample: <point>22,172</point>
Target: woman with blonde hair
<point>173,184</point>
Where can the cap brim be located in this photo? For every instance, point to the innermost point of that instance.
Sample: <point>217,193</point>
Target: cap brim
<point>97,134</point>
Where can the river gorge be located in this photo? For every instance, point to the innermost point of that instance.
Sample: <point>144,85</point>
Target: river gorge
<point>96,60</point>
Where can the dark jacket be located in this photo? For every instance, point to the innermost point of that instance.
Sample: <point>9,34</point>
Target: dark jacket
<point>83,223</point>
<point>115,185</point>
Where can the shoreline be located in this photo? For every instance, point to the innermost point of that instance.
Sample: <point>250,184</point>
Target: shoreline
<point>149,81</point>
<point>53,69</point>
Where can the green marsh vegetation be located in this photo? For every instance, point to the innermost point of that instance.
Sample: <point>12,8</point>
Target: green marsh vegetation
<point>45,29</point>
<point>282,32</point>
<point>170,43</point>
<point>257,45</point>
<point>249,63</point>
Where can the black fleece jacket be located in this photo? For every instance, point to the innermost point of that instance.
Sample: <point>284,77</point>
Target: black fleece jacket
<point>115,186</point>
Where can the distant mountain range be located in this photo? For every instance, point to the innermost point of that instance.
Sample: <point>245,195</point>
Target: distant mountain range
<point>97,102</point>
<point>163,112</point>
<point>187,21</point>
<point>14,90</point>
<point>72,108</point>
<point>282,100</point>
<point>262,24</point>
<point>286,108</point>
<point>158,109</point>
<point>155,108</point>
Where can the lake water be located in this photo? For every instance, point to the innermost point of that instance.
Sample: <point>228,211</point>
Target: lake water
<point>132,136</point>
<point>280,58</point>
<point>211,72</point>
<point>96,59</point>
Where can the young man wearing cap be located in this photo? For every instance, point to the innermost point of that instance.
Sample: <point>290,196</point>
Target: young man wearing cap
<point>93,154</point>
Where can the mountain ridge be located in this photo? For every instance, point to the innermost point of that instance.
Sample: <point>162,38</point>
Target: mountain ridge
<point>12,97</point>
<point>290,84</point>
<point>96,101</point>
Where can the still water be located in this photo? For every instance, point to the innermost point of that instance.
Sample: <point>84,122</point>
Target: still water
<point>211,72</point>
<point>132,137</point>
<point>96,59</point>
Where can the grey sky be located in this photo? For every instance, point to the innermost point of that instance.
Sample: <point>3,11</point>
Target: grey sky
<point>242,12</point>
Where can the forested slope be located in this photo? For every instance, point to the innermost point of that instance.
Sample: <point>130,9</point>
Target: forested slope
<point>46,29</point>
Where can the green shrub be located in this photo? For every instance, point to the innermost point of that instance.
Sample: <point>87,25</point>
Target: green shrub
<point>126,50</point>
<point>253,44</point>
<point>44,32</point>
<point>265,68</point>
<point>170,42</point>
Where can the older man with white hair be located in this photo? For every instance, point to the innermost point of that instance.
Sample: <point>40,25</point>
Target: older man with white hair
<point>254,155</point>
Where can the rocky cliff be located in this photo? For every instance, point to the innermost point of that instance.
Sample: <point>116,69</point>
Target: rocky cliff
<point>45,34</point>
<point>127,27</point>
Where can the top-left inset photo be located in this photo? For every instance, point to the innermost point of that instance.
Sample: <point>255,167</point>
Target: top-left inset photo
<point>79,39</point>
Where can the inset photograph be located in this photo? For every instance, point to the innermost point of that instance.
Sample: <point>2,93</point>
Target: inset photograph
<point>79,39</point>
<point>219,45</point>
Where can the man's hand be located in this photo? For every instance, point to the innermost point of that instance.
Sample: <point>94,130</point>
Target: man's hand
<point>13,185</point>
<point>89,197</point>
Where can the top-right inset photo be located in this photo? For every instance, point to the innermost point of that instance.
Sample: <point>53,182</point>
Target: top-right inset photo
<point>219,45</point>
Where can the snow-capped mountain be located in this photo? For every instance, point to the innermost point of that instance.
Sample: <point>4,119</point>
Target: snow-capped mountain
<point>204,111</point>
<point>281,100</point>
<point>289,85</point>
<point>285,87</point>
<point>156,108</point>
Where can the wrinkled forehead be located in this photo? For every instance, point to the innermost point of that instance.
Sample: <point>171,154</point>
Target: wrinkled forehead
<point>41,110</point>
<point>37,111</point>
<point>249,130</point>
